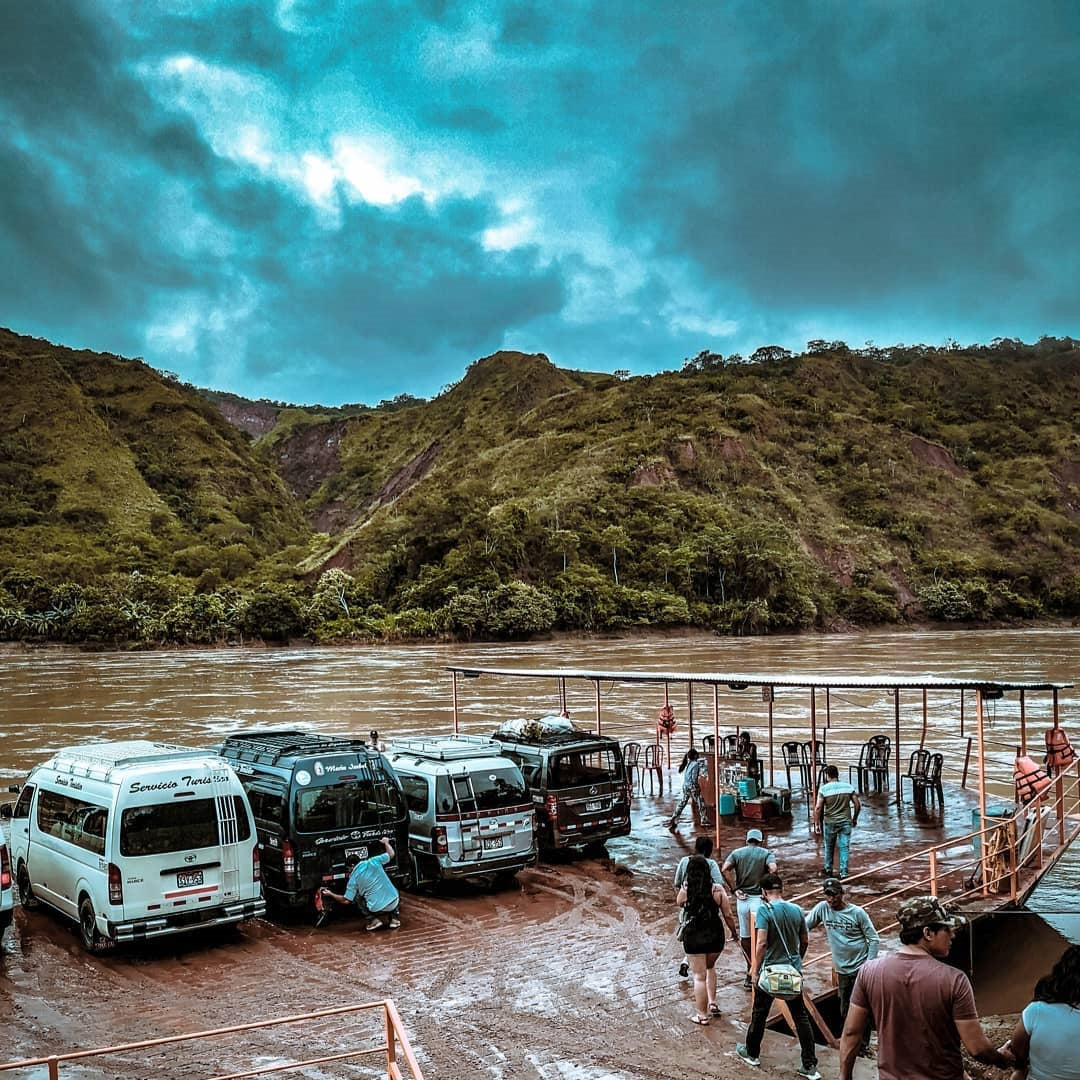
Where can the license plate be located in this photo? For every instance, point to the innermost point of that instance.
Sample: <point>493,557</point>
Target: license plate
<point>359,852</point>
<point>589,807</point>
<point>492,842</point>
<point>185,881</point>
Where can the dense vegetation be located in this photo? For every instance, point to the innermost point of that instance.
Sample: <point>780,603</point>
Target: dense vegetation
<point>834,488</point>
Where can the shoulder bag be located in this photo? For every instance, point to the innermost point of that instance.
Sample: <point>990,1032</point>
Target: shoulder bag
<point>783,981</point>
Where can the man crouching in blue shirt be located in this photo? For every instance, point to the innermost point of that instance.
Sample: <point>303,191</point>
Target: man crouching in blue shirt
<point>371,890</point>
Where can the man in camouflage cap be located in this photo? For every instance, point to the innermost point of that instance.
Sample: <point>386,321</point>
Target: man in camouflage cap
<point>923,1009</point>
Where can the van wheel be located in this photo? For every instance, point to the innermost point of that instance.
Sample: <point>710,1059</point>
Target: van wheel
<point>91,939</point>
<point>26,893</point>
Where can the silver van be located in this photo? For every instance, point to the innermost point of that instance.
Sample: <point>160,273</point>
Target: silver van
<point>470,814</point>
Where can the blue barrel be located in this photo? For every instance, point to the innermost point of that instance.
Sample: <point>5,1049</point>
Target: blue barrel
<point>727,802</point>
<point>748,788</point>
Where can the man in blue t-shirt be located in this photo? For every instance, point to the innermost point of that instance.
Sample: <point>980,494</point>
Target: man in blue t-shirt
<point>779,938</point>
<point>836,813</point>
<point>371,890</point>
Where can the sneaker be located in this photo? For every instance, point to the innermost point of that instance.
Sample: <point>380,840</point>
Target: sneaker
<point>374,924</point>
<point>826,871</point>
<point>740,1049</point>
<point>395,922</point>
<point>670,826</point>
<point>810,1074</point>
<point>684,970</point>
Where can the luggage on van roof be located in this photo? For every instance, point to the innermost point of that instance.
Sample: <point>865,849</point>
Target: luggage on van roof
<point>550,730</point>
<point>271,746</point>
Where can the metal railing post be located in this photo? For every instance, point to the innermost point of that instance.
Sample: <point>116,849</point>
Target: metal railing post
<point>933,872</point>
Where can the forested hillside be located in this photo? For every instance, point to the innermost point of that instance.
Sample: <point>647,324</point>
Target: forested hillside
<point>834,488</point>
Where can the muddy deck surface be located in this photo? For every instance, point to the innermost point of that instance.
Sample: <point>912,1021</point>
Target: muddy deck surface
<point>570,974</point>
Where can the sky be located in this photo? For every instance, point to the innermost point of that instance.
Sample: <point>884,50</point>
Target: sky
<point>337,202</point>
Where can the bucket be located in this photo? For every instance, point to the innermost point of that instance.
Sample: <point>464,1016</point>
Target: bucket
<point>727,802</point>
<point>748,788</point>
<point>976,822</point>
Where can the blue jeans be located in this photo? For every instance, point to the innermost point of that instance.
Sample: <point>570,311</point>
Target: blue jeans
<point>837,836</point>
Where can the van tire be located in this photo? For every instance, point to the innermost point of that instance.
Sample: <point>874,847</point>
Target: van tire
<point>88,930</point>
<point>26,893</point>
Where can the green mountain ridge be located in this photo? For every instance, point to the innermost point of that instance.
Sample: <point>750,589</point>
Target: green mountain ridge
<point>835,488</point>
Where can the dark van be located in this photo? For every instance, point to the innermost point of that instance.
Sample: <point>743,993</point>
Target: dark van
<point>316,799</point>
<point>577,781</point>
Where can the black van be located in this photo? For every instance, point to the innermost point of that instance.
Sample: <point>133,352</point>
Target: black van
<point>316,799</point>
<point>577,780</point>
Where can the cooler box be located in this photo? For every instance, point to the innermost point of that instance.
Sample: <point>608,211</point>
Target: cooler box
<point>727,802</point>
<point>781,796</point>
<point>747,789</point>
<point>757,809</point>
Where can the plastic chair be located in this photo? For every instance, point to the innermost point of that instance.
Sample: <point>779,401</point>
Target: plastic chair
<point>876,768</point>
<point>654,763</point>
<point>730,745</point>
<point>793,759</point>
<point>930,781</point>
<point>707,745</point>
<point>918,763</point>
<point>632,762</point>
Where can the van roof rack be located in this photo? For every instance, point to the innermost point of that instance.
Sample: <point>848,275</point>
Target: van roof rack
<point>271,746</point>
<point>447,747</point>
<point>98,760</point>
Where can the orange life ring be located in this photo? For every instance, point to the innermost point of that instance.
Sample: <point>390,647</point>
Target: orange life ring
<point>1059,752</point>
<point>665,719</point>
<point>1030,779</point>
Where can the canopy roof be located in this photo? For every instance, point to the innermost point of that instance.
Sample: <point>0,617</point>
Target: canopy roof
<point>743,680</point>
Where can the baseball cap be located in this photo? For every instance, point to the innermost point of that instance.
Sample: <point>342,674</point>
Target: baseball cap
<point>832,887</point>
<point>922,911</point>
<point>754,834</point>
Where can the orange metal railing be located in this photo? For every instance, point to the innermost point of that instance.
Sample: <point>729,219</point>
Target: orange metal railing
<point>396,1043</point>
<point>1014,852</point>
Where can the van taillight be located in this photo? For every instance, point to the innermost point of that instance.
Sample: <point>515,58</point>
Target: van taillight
<point>5,868</point>
<point>256,868</point>
<point>288,861</point>
<point>552,806</point>
<point>116,886</point>
<point>438,842</point>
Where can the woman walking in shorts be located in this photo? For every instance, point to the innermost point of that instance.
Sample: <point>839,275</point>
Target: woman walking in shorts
<point>707,908</point>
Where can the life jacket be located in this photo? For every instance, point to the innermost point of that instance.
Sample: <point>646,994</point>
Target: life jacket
<point>665,719</point>
<point>1059,752</point>
<point>1030,779</point>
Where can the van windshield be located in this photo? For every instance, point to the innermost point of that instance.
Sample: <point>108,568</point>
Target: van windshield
<point>182,826</point>
<point>348,805</point>
<point>579,768</point>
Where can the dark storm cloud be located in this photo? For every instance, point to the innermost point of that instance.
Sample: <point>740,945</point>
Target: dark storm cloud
<point>878,160</point>
<point>349,199</point>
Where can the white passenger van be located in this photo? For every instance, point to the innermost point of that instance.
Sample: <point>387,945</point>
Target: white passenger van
<point>470,814</point>
<point>135,840</point>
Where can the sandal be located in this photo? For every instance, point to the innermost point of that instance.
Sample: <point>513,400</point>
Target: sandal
<point>714,1009</point>
<point>702,1020</point>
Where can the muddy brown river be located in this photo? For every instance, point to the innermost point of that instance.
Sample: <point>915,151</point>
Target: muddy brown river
<point>569,975</point>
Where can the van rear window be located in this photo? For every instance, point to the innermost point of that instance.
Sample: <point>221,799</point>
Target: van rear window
<point>580,768</point>
<point>162,828</point>
<point>347,805</point>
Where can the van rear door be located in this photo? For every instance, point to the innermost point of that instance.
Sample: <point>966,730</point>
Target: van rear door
<point>173,860</point>
<point>587,788</point>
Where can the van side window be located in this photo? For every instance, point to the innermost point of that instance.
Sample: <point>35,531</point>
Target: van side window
<point>22,806</point>
<point>267,806</point>
<point>416,793</point>
<point>78,822</point>
<point>233,819</point>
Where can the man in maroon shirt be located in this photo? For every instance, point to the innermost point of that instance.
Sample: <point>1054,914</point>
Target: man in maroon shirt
<point>923,1009</point>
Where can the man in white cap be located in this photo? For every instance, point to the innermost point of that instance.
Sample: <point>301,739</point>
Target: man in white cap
<point>923,1009</point>
<point>743,870</point>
